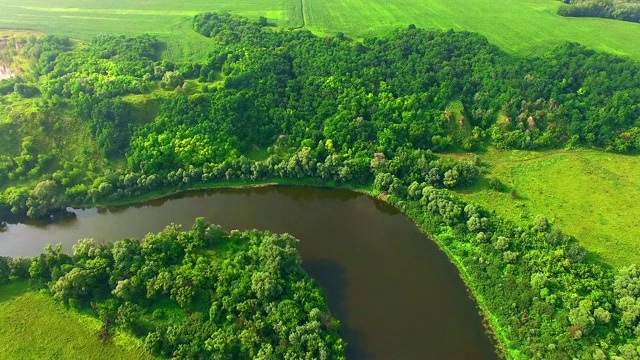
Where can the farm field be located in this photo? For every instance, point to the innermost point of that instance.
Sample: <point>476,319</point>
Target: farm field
<point>590,195</point>
<point>169,20</point>
<point>525,27</point>
<point>29,318</point>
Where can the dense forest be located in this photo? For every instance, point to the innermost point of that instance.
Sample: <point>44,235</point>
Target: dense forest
<point>320,106</point>
<point>625,10</point>
<point>197,294</point>
<point>276,104</point>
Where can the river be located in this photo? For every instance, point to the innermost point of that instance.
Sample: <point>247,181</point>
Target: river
<point>394,291</point>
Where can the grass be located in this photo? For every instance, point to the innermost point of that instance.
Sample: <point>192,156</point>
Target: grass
<point>517,26</point>
<point>591,195</point>
<point>30,318</point>
<point>169,20</point>
<point>524,27</point>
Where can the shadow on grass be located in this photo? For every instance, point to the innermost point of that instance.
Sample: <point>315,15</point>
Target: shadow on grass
<point>13,289</point>
<point>597,259</point>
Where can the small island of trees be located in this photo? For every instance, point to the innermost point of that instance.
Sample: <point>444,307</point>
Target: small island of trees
<point>197,294</point>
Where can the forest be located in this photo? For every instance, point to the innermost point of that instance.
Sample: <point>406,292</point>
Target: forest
<point>197,294</point>
<point>278,104</point>
<point>625,10</point>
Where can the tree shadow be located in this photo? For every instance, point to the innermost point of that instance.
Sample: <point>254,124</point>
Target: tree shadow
<point>385,207</point>
<point>12,290</point>
<point>332,278</point>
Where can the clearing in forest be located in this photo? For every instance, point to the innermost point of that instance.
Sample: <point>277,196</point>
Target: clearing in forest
<point>591,195</point>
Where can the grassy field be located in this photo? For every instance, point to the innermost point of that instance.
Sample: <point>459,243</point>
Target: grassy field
<point>591,195</point>
<point>169,20</point>
<point>30,318</point>
<point>517,26</point>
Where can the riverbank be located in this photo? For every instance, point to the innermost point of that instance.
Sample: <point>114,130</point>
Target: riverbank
<point>175,190</point>
<point>496,333</point>
<point>353,245</point>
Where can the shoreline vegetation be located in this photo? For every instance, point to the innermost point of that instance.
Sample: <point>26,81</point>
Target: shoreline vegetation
<point>492,327</point>
<point>372,115</point>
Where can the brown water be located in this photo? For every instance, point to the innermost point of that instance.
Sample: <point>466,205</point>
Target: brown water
<point>395,293</point>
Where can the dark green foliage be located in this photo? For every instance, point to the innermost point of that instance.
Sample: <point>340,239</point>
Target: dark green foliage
<point>5,269</point>
<point>496,184</point>
<point>323,106</point>
<point>626,10</point>
<point>111,124</point>
<point>7,86</point>
<point>239,295</point>
<point>25,90</point>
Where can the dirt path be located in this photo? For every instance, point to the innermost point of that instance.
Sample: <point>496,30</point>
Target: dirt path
<point>5,73</point>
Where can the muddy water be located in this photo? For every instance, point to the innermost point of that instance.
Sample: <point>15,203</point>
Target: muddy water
<point>395,292</point>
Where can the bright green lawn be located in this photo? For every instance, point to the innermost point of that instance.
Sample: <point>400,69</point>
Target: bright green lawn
<point>34,326</point>
<point>592,195</point>
<point>519,26</point>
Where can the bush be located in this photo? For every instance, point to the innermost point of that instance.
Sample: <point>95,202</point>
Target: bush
<point>496,184</point>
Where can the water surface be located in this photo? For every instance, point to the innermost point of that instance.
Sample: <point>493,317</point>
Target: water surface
<point>396,294</point>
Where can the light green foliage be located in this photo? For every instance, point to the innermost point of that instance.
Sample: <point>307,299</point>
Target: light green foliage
<point>172,79</point>
<point>44,198</point>
<point>582,319</point>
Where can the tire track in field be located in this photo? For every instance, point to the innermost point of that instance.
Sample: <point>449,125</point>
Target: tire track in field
<point>302,17</point>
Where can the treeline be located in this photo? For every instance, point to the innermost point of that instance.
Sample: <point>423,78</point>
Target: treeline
<point>50,198</point>
<point>247,299</point>
<point>628,10</point>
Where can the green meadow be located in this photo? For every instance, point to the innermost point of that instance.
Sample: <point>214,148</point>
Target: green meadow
<point>525,27</point>
<point>591,195</point>
<point>169,20</point>
<point>29,318</point>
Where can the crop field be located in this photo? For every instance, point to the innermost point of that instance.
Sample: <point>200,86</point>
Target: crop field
<point>169,20</point>
<point>29,318</point>
<point>588,194</point>
<point>517,26</point>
